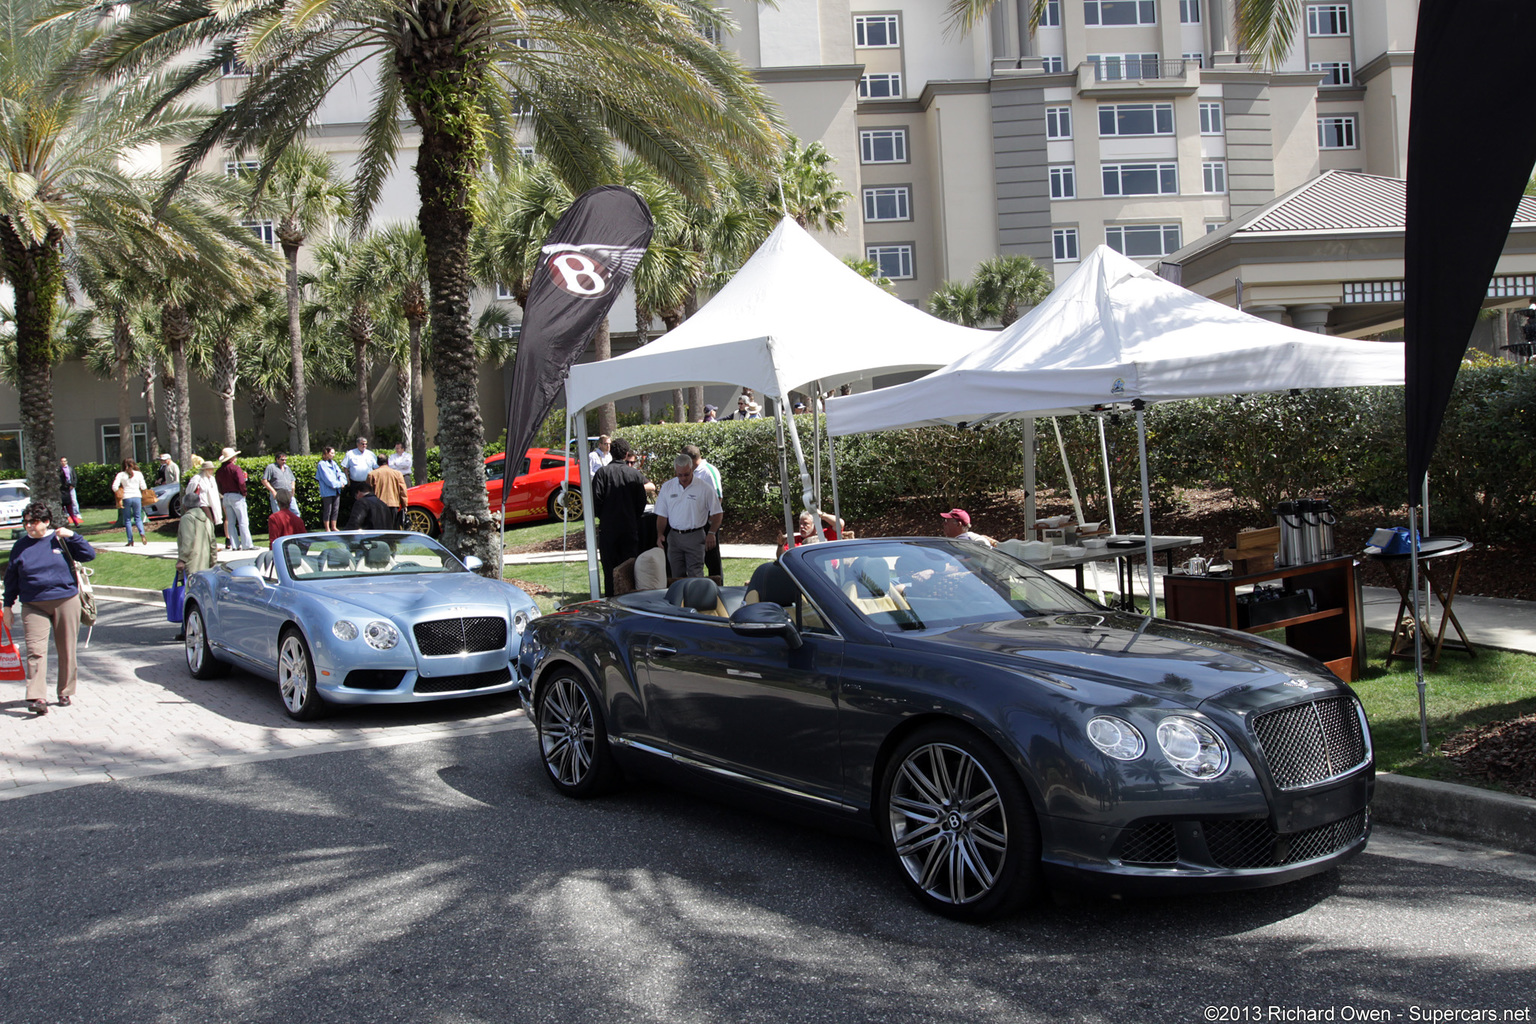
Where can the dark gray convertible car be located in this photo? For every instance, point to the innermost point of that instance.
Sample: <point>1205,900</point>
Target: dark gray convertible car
<point>995,727</point>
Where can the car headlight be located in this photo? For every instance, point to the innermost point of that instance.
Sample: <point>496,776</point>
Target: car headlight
<point>344,630</point>
<point>520,622</point>
<point>381,635</point>
<point>1116,737</point>
<point>1192,748</point>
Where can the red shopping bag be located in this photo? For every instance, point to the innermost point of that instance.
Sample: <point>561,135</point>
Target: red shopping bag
<point>11,668</point>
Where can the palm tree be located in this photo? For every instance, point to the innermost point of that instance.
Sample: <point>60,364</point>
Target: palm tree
<point>583,76</point>
<point>869,270</point>
<point>347,287</point>
<point>400,257</point>
<point>1005,283</point>
<point>302,195</point>
<point>671,268</point>
<point>807,189</point>
<point>61,139</point>
<point>958,303</point>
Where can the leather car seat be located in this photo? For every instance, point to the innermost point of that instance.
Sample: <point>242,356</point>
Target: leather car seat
<point>870,590</point>
<point>698,594</point>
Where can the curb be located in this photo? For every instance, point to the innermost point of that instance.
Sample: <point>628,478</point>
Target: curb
<point>1460,812</point>
<point>137,595</point>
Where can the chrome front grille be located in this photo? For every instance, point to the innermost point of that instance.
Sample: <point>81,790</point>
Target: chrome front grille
<point>1306,744</point>
<point>470,681</point>
<point>461,636</point>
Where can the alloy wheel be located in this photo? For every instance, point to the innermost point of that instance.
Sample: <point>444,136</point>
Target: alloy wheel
<point>948,824</point>
<point>566,731</point>
<point>293,673</point>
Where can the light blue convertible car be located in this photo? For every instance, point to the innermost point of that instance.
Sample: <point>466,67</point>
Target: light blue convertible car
<point>357,618</point>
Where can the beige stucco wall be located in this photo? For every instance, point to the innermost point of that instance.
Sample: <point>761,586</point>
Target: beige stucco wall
<point>959,148</point>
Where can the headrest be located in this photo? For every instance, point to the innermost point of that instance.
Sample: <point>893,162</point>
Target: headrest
<point>375,554</point>
<point>773,584</point>
<point>873,575</point>
<point>335,558</point>
<point>696,592</point>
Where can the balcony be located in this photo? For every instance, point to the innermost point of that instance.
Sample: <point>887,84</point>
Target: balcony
<point>1130,75</point>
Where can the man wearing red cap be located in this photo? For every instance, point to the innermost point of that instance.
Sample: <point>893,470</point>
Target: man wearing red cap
<point>957,526</point>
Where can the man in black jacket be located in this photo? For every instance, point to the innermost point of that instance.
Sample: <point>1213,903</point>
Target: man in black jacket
<point>368,512</point>
<point>618,492</point>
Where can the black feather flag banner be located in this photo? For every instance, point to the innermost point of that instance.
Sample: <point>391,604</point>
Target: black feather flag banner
<point>1459,209</point>
<point>584,264</point>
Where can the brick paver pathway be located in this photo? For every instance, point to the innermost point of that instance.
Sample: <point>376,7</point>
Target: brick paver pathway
<point>139,712</point>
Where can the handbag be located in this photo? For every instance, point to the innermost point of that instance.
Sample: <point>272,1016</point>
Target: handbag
<point>148,496</point>
<point>83,582</point>
<point>119,493</point>
<point>175,596</point>
<point>11,668</point>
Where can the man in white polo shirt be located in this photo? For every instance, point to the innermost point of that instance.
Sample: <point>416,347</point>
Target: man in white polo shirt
<point>688,515</point>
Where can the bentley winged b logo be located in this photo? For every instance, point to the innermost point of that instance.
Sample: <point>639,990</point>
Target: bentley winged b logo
<point>586,271</point>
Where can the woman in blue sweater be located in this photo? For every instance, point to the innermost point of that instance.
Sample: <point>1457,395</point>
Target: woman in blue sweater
<point>43,579</point>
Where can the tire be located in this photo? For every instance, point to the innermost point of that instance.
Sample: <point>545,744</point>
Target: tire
<point>573,740</point>
<point>958,822</point>
<point>200,660</point>
<point>420,520</point>
<point>173,510</point>
<point>296,677</point>
<point>565,505</point>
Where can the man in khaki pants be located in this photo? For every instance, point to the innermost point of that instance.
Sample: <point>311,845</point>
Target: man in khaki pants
<point>42,578</point>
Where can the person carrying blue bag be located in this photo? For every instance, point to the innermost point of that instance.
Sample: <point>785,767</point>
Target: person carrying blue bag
<point>196,545</point>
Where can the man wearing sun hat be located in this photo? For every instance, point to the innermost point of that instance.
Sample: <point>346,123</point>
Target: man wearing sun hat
<point>232,482</point>
<point>957,526</point>
<point>170,473</point>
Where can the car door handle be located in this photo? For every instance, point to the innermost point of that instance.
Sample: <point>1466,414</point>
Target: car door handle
<point>662,650</point>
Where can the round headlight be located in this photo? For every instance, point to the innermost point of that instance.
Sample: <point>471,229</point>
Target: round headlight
<point>381,635</point>
<point>344,630</point>
<point>1116,737</point>
<point>520,622</point>
<point>1192,748</point>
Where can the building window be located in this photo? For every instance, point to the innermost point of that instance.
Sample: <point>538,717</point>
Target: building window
<point>236,68</point>
<point>1140,241</point>
<point>1120,12</point>
<point>880,87</point>
<point>1053,65</point>
<point>1336,133</point>
<point>883,146</point>
<point>513,331</point>
<point>1050,17</point>
<point>1141,179</point>
<point>1327,19</point>
<point>1215,174</point>
<point>1189,12</point>
<point>112,449</point>
<point>875,30</point>
<point>503,292</point>
<point>1064,182</point>
<point>13,454</point>
<point>1210,119</point>
<point>1373,291</point>
<point>1197,59</point>
<point>266,230</point>
<point>525,153</point>
<point>1212,225</point>
<point>889,202</point>
<point>1064,244</point>
<point>1135,119</point>
<point>1114,67</point>
<point>894,261</point>
<point>235,168</point>
<point>1058,122</point>
<point>1335,72</point>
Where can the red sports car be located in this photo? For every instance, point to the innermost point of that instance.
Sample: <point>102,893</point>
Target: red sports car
<point>537,491</point>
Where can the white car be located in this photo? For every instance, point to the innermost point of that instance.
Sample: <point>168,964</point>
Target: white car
<point>15,495</point>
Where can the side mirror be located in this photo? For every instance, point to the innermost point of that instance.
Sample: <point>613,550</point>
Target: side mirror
<point>472,562</point>
<point>765,619</point>
<point>247,573</point>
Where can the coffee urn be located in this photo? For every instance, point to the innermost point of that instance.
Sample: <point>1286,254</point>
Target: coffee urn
<point>1322,510</point>
<point>1292,534</point>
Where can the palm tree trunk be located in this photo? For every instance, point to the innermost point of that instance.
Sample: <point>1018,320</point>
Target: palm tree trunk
<point>225,370</point>
<point>258,404</point>
<point>417,439</point>
<point>443,80</point>
<point>36,273</point>
<point>151,413</point>
<point>360,327</point>
<point>122,351</point>
<point>298,436</point>
<point>643,337</point>
<point>176,327</point>
<point>403,401</point>
<point>602,348</point>
<point>696,404</point>
<point>172,427</point>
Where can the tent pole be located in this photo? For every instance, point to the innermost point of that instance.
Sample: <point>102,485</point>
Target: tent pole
<point>588,517</point>
<point>1418,626</point>
<point>837,508</point>
<point>789,517</point>
<point>1066,467</point>
<point>1146,504</point>
<point>815,444</point>
<point>1109,485</point>
<point>805,475</point>
<point>1028,445</point>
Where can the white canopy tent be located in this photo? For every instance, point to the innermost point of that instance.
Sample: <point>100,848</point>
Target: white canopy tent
<point>1112,333</point>
<point>794,317</point>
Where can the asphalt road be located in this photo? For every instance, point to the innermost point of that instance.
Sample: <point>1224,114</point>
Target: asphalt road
<point>444,881</point>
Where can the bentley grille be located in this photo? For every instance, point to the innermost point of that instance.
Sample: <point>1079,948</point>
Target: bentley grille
<point>1253,844</point>
<point>461,636</point>
<point>1310,743</point>
<point>469,681</point>
<point>1151,842</point>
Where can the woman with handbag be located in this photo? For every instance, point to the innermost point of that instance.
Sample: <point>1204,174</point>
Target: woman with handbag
<point>42,576</point>
<point>129,485</point>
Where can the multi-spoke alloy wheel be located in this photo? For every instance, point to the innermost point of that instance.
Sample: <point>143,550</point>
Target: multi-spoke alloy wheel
<point>296,677</point>
<point>572,739</point>
<point>960,825</point>
<point>200,660</point>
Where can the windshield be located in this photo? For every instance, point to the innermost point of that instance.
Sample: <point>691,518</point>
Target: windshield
<point>908,585</point>
<point>333,556</point>
<point>14,491</point>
